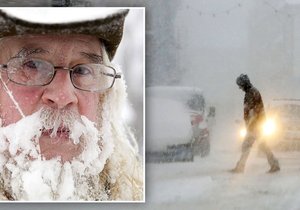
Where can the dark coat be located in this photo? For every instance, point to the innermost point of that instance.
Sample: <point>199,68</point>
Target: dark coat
<point>254,113</point>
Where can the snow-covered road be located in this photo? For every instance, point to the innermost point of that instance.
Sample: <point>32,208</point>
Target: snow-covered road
<point>207,183</point>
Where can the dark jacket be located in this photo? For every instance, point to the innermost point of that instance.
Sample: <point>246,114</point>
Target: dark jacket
<point>254,113</point>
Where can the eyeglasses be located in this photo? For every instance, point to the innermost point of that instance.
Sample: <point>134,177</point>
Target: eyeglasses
<point>36,72</point>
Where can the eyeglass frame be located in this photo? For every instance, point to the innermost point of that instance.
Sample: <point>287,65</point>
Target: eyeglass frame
<point>56,68</point>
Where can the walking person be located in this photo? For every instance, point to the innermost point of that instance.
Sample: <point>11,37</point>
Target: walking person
<point>254,116</point>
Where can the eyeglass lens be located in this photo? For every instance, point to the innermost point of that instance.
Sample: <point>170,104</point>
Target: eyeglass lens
<point>35,72</point>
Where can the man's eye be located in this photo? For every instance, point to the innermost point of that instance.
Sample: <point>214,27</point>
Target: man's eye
<point>31,65</point>
<point>82,70</point>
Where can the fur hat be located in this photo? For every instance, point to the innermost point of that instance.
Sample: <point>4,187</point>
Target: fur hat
<point>109,29</point>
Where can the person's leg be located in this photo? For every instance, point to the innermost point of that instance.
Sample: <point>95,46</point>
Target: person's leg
<point>246,147</point>
<point>273,162</point>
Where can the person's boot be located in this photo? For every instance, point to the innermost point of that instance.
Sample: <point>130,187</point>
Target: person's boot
<point>274,169</point>
<point>237,170</point>
<point>273,162</point>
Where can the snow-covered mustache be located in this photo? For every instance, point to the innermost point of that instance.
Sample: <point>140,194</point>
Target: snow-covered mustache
<point>62,120</point>
<point>28,176</point>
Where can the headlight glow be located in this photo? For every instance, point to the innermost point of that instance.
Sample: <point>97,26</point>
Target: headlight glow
<point>269,127</point>
<point>243,133</point>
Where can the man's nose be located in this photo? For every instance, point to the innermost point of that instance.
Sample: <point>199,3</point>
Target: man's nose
<point>60,92</point>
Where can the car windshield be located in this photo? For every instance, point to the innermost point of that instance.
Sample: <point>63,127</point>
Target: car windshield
<point>289,110</point>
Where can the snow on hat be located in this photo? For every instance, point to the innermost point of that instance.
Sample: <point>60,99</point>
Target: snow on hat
<point>109,28</point>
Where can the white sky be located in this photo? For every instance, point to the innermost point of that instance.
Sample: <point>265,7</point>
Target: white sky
<point>59,14</point>
<point>293,1</point>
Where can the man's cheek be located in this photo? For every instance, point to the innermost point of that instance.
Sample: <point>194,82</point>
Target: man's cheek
<point>11,112</point>
<point>89,107</point>
<point>90,114</point>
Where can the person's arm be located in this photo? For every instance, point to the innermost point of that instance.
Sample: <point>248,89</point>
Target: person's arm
<point>253,109</point>
<point>256,114</point>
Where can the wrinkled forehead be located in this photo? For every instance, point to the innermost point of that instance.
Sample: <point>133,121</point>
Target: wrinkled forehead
<point>52,43</point>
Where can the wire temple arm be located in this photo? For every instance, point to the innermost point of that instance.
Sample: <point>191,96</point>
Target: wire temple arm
<point>118,75</point>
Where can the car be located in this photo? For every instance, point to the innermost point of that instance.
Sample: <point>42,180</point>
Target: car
<point>286,114</point>
<point>177,124</point>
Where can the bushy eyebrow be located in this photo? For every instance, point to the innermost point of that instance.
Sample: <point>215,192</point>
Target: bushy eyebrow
<point>24,52</point>
<point>94,58</point>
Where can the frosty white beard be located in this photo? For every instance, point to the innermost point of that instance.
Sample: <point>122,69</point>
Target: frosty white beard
<point>27,175</point>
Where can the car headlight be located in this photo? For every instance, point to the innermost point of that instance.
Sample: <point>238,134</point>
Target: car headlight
<point>269,127</point>
<point>243,133</point>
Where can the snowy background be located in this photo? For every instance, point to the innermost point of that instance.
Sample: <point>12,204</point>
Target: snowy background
<point>207,44</point>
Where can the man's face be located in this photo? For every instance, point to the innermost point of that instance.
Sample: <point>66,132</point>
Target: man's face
<point>60,94</point>
<point>241,87</point>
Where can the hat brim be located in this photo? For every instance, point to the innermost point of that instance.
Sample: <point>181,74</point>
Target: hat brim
<point>109,29</point>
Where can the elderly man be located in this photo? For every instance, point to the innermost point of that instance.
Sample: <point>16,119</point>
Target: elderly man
<point>60,105</point>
